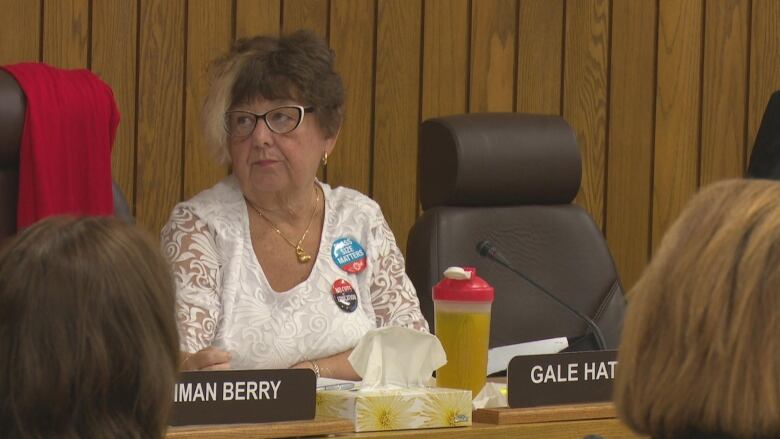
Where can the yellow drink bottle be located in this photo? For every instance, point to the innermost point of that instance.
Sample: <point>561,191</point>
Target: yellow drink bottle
<point>462,304</point>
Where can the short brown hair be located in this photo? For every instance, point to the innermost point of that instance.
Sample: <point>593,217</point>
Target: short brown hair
<point>88,341</point>
<point>299,67</point>
<point>700,350</point>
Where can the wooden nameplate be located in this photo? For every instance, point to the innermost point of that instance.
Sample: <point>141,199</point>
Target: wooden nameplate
<point>244,397</point>
<point>529,415</point>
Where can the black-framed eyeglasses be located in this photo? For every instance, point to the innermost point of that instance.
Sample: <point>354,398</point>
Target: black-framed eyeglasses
<point>281,120</point>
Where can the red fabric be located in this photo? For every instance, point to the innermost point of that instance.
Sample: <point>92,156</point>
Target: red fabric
<point>65,155</point>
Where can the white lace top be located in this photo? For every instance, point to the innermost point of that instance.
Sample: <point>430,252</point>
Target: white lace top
<point>224,299</point>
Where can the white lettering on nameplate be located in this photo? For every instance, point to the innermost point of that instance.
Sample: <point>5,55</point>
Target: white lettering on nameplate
<point>599,371</point>
<point>231,391</point>
<point>195,392</point>
<point>559,373</point>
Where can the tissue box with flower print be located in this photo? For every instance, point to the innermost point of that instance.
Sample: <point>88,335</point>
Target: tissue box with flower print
<point>396,364</point>
<point>400,409</point>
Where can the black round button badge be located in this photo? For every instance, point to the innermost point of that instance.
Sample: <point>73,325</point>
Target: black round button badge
<point>344,295</point>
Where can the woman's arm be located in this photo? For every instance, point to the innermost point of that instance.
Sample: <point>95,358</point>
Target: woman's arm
<point>335,366</point>
<point>205,359</point>
<point>190,247</point>
<point>393,296</point>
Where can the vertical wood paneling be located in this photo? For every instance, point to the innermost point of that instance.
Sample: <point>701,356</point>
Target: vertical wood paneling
<point>66,33</point>
<point>208,36</point>
<point>585,95</point>
<point>397,111</point>
<point>540,56</point>
<point>114,35</point>
<point>305,14</point>
<point>724,91</point>
<point>19,31</point>
<point>764,62</point>
<point>664,94</point>
<point>493,53</point>
<point>445,57</point>
<point>677,110</point>
<point>160,84</point>
<point>631,110</point>
<point>312,15</point>
<point>352,38</point>
<point>258,17</point>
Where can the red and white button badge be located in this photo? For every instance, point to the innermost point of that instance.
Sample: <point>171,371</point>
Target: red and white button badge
<point>344,295</point>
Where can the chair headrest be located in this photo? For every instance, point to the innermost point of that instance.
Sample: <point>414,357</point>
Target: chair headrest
<point>497,159</point>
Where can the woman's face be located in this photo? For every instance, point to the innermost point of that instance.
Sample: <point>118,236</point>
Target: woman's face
<point>265,161</point>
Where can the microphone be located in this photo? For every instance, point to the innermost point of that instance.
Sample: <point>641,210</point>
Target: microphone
<point>488,250</point>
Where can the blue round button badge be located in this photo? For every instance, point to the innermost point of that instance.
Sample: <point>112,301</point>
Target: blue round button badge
<point>344,295</point>
<point>349,255</point>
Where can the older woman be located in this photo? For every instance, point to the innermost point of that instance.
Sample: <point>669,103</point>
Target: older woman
<point>88,340</point>
<point>275,269</point>
<point>700,350</point>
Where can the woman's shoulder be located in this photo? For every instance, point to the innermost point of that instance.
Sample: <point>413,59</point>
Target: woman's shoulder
<point>344,198</point>
<point>216,201</point>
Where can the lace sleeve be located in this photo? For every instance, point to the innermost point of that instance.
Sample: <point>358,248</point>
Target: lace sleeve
<point>190,247</point>
<point>392,293</point>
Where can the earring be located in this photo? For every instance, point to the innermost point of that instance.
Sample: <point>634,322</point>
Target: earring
<point>325,159</point>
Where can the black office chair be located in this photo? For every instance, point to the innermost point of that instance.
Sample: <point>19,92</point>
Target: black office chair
<point>511,178</point>
<point>12,111</point>
<point>765,159</point>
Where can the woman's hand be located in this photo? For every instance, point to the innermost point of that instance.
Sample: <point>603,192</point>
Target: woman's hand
<point>336,366</point>
<point>206,359</point>
<point>304,365</point>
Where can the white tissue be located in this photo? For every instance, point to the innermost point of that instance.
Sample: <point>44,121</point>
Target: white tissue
<point>396,358</point>
<point>492,395</point>
<point>499,358</point>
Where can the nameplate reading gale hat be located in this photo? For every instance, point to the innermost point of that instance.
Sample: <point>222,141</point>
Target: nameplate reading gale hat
<point>552,379</point>
<point>244,396</point>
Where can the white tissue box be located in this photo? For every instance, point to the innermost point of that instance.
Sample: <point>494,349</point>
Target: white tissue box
<point>402,409</point>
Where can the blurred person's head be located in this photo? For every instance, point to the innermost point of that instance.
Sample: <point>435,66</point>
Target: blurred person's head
<point>700,349</point>
<point>88,341</point>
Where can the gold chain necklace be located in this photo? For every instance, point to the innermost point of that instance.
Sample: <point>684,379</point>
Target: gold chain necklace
<point>299,252</point>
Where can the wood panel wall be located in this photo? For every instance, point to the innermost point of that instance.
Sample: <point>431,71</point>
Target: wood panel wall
<point>665,95</point>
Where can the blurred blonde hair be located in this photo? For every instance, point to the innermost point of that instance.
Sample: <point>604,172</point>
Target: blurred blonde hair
<point>299,67</point>
<point>700,348</point>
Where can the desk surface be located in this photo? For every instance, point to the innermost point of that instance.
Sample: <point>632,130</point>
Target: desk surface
<point>532,427</point>
<point>316,427</point>
<point>606,428</point>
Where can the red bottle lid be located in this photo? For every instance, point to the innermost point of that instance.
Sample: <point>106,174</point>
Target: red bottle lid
<point>463,285</point>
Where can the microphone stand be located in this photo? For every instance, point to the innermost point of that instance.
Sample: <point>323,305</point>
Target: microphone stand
<point>486,249</point>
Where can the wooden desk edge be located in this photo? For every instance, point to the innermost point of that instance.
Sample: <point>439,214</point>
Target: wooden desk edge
<point>317,426</point>
<point>561,418</point>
